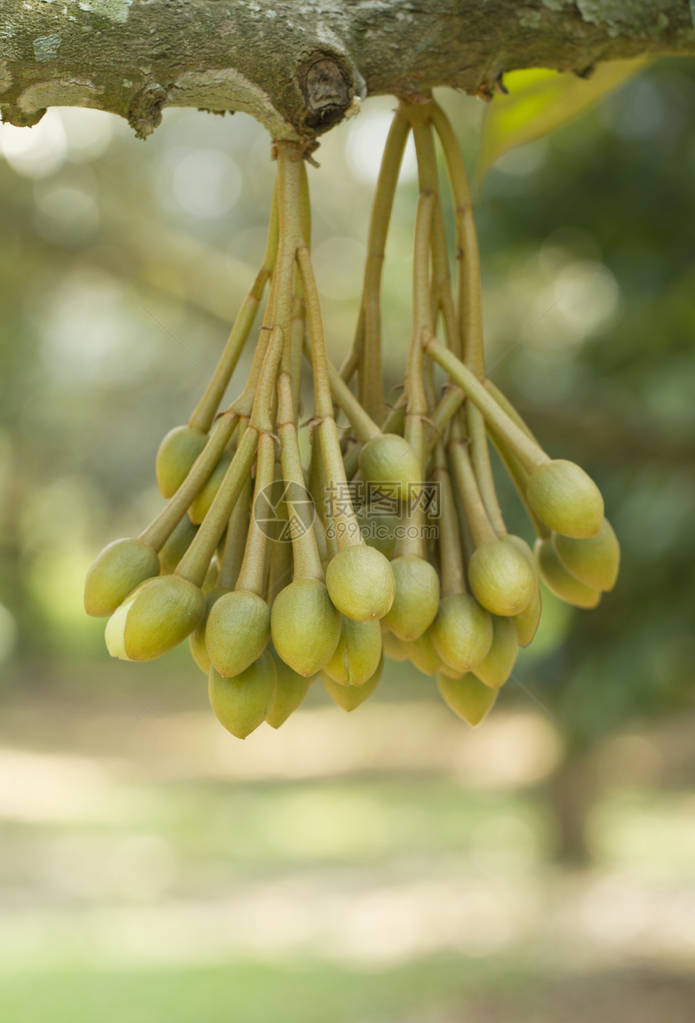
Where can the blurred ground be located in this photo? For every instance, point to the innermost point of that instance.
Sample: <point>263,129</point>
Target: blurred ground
<point>386,868</point>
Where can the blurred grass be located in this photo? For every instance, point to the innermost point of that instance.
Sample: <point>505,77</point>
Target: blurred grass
<point>155,883</point>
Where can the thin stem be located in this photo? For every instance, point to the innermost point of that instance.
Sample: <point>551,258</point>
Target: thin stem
<point>353,358</point>
<point>361,422</point>
<point>305,552</point>
<point>506,404</point>
<point>296,348</point>
<point>464,477</point>
<point>395,420</point>
<point>449,403</point>
<point>526,450</point>
<point>450,559</point>
<point>202,416</point>
<point>233,552</point>
<point>161,527</point>
<point>291,179</point>
<point>429,182</point>
<point>195,561</point>
<point>194,564</point>
<point>414,387</point>
<point>480,456</point>
<point>371,374</point>
<point>304,204</point>
<point>252,572</point>
<point>344,519</point>
<point>279,569</point>
<point>519,478</point>
<point>468,257</point>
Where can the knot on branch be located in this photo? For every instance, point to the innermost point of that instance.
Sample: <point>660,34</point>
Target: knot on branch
<point>327,88</point>
<point>145,111</point>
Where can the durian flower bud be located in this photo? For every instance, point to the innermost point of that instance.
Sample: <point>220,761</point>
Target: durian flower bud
<point>305,626</point>
<point>467,697</point>
<point>565,498</point>
<point>394,648</point>
<point>417,597</point>
<point>199,653</point>
<point>350,697</point>
<point>115,573</point>
<point>462,632</point>
<point>357,655</point>
<point>155,618</point>
<point>594,562</point>
<point>196,640</point>
<point>288,693</point>
<point>237,631</point>
<point>501,578</point>
<point>561,582</point>
<point>527,621</point>
<point>240,704</point>
<point>178,451</point>
<point>422,655</point>
<point>390,464</point>
<point>496,668</point>
<point>360,583</point>
<point>201,505</point>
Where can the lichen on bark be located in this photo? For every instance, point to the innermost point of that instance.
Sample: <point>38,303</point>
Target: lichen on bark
<point>299,66</point>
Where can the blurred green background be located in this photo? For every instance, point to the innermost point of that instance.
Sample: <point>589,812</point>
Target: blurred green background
<point>390,865</point>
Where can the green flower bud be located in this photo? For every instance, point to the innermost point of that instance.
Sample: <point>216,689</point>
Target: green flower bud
<point>467,697</point>
<point>177,545</point>
<point>155,618</point>
<point>201,506</point>
<point>360,583</point>
<point>305,626</point>
<point>390,464</point>
<point>567,500</point>
<point>115,573</point>
<point>422,655</point>
<point>237,631</point>
<point>177,453</point>
<point>196,640</point>
<point>594,562</point>
<point>378,529</point>
<point>417,597</point>
<point>393,647</point>
<point>561,582</point>
<point>240,704</point>
<point>501,578</point>
<point>350,697</point>
<point>290,689</point>
<point>199,653</point>
<point>357,655</point>
<point>462,632</point>
<point>527,621</point>
<point>522,546</point>
<point>496,668</point>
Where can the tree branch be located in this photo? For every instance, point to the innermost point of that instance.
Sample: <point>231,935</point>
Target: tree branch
<point>299,66</point>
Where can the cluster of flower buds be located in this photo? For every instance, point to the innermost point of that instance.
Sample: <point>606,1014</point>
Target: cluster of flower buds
<point>284,553</point>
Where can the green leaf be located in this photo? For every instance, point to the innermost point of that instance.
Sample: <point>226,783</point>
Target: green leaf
<point>541,100</point>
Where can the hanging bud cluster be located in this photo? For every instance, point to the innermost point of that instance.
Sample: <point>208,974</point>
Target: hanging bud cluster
<point>385,540</point>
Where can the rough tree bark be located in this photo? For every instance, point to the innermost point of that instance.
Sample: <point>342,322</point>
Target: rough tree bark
<point>300,66</point>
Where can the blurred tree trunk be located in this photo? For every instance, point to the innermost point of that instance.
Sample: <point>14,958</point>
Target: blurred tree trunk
<point>300,66</point>
<point>572,792</point>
